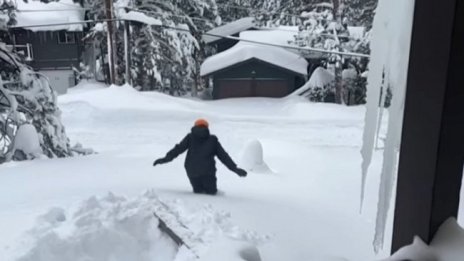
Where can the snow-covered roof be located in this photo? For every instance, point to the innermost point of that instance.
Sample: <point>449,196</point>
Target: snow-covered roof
<point>140,17</point>
<point>39,13</point>
<point>229,29</point>
<point>244,51</point>
<point>281,35</point>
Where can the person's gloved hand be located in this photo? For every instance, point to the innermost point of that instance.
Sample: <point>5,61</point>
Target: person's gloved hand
<point>241,172</point>
<point>160,161</point>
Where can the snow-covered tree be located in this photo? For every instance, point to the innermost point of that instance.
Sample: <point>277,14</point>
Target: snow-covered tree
<point>165,56</point>
<point>324,24</point>
<point>30,120</point>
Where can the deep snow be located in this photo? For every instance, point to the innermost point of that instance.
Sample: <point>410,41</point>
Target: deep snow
<point>307,209</point>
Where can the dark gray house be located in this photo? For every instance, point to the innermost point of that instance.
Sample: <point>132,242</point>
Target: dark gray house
<point>49,38</point>
<point>49,50</point>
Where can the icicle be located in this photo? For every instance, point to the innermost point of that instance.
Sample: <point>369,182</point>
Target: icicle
<point>390,50</point>
<point>374,83</point>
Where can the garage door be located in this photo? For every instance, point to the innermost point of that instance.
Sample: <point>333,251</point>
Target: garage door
<point>60,80</point>
<point>232,88</point>
<point>271,88</point>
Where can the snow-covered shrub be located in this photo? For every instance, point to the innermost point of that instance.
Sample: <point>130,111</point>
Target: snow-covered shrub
<point>355,91</point>
<point>26,143</point>
<point>30,114</point>
<point>320,94</point>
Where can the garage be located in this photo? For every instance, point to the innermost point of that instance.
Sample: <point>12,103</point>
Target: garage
<point>247,70</point>
<point>60,80</point>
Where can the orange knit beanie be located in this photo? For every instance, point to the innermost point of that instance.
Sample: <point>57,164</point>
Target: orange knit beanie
<point>201,122</point>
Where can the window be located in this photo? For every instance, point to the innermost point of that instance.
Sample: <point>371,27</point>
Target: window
<point>66,38</point>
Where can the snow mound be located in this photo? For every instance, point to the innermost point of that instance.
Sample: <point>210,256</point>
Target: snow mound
<point>126,97</point>
<point>252,158</point>
<point>112,228</point>
<point>446,246</point>
<point>27,140</point>
<point>120,229</point>
<point>53,216</point>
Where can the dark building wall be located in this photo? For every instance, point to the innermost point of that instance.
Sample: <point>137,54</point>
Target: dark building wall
<point>224,43</point>
<point>258,70</point>
<point>48,52</point>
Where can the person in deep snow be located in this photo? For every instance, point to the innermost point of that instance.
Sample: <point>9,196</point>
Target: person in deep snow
<point>200,163</point>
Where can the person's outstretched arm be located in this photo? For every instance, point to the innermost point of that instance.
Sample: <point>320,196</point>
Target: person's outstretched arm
<point>224,157</point>
<point>175,152</point>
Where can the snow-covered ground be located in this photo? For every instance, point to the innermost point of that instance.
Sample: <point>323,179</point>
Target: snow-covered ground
<point>305,208</point>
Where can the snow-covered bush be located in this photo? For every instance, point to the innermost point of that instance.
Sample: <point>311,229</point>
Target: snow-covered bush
<point>320,94</point>
<point>30,118</point>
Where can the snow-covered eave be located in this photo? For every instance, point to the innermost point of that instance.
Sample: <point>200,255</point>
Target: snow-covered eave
<point>233,28</point>
<point>53,16</point>
<point>249,60</point>
<point>72,27</point>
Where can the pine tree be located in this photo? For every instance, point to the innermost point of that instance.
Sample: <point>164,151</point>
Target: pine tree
<point>166,58</point>
<point>323,24</point>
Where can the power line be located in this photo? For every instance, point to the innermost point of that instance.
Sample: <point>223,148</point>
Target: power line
<point>259,27</point>
<point>310,49</point>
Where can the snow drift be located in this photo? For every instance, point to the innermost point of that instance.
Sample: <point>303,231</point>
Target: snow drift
<point>120,229</point>
<point>446,246</point>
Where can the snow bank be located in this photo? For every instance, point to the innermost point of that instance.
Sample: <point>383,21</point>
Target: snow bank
<point>125,97</point>
<point>446,246</point>
<point>252,158</point>
<point>112,228</point>
<point>62,11</point>
<point>119,229</point>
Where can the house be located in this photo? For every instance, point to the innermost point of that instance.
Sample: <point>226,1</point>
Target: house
<point>255,70</point>
<point>215,37</point>
<point>55,48</point>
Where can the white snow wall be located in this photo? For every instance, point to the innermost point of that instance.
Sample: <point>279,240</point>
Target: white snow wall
<point>390,46</point>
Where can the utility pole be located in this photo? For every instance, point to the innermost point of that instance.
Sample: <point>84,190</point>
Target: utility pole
<point>111,40</point>
<point>127,51</point>
<point>339,88</point>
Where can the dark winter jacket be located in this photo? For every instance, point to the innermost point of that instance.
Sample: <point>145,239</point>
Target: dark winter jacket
<point>202,148</point>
